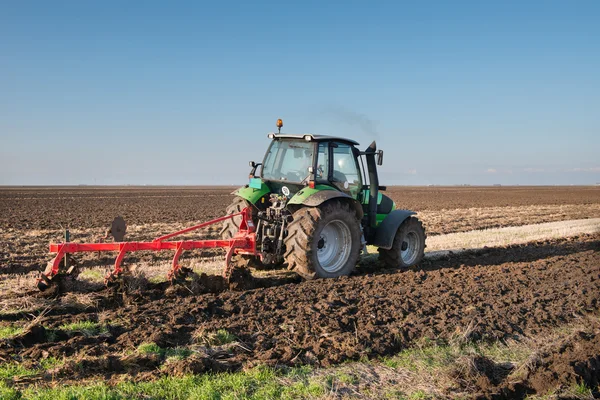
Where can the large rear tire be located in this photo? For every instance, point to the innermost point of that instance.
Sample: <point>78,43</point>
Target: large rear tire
<point>232,225</point>
<point>408,247</point>
<point>324,241</point>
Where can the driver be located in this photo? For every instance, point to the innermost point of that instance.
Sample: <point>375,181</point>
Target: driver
<point>306,164</point>
<point>307,160</point>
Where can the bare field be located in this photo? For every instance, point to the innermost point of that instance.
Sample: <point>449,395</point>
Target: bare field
<point>92,207</point>
<point>507,321</point>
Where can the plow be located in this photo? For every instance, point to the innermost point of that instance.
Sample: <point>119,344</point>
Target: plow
<point>314,207</point>
<point>244,242</point>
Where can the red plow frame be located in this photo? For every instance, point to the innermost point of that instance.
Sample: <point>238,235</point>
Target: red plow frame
<point>244,242</point>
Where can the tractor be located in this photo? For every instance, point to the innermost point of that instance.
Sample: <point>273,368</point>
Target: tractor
<point>316,207</point>
<point>313,206</point>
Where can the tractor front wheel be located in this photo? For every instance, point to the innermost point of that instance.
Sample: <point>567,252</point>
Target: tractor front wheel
<point>408,247</point>
<point>323,241</point>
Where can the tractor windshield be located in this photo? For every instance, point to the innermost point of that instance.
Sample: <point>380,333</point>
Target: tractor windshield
<point>288,160</point>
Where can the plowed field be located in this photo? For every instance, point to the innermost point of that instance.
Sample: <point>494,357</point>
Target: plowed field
<point>498,295</point>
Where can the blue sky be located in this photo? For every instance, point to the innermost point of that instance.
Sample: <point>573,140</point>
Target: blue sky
<point>185,92</point>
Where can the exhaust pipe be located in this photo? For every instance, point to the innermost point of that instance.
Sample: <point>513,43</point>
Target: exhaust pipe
<point>370,153</point>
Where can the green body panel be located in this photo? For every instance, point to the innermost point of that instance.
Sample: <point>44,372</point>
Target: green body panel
<point>380,218</point>
<point>365,197</point>
<point>252,194</point>
<point>365,201</point>
<point>305,193</point>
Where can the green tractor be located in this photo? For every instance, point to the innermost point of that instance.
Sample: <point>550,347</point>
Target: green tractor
<point>316,207</point>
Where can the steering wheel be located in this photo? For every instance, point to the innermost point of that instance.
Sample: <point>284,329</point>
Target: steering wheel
<point>320,170</point>
<point>294,176</point>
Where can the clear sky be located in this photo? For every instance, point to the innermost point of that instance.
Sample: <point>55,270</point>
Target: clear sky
<point>148,92</point>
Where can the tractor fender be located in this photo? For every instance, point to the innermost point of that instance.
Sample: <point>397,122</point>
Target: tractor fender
<point>320,194</point>
<point>386,231</point>
<point>252,194</point>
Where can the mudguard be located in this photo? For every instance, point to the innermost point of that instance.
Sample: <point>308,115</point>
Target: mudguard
<point>315,196</point>
<point>253,194</point>
<point>320,194</point>
<point>386,231</point>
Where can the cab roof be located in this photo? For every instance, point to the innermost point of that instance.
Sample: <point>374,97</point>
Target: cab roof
<point>312,138</point>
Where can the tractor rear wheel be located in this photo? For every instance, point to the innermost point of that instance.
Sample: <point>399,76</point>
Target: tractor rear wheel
<point>408,247</point>
<point>324,241</point>
<point>232,225</point>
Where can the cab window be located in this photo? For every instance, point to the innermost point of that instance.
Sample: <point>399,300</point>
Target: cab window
<point>322,171</point>
<point>346,175</point>
<point>288,161</point>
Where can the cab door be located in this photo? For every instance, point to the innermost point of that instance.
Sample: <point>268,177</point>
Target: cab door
<point>345,170</point>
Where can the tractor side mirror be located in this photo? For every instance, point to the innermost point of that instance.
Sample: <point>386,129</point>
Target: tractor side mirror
<point>380,157</point>
<point>254,166</point>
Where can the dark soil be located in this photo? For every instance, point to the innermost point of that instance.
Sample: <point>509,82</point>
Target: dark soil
<point>90,207</point>
<point>49,209</point>
<point>516,292</point>
<point>557,367</point>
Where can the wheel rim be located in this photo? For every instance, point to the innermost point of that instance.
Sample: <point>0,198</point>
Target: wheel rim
<point>410,248</point>
<point>334,246</point>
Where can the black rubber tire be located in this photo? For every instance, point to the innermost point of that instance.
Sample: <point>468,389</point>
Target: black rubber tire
<point>392,257</point>
<point>230,228</point>
<point>232,225</point>
<point>303,238</point>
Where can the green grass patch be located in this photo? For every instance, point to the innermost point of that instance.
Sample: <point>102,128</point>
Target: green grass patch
<point>87,328</point>
<point>50,363</point>
<point>419,395</point>
<point>257,383</point>
<point>92,275</point>
<point>178,353</point>
<point>157,279</point>
<point>500,353</point>
<point>7,393</point>
<point>580,391</point>
<point>423,359</point>
<point>348,379</point>
<point>432,359</point>
<point>13,370</point>
<point>149,348</point>
<point>7,332</point>
<point>10,370</point>
<point>218,338</point>
<point>583,390</point>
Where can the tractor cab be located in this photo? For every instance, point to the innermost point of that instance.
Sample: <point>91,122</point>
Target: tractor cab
<point>297,161</point>
<point>299,166</point>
